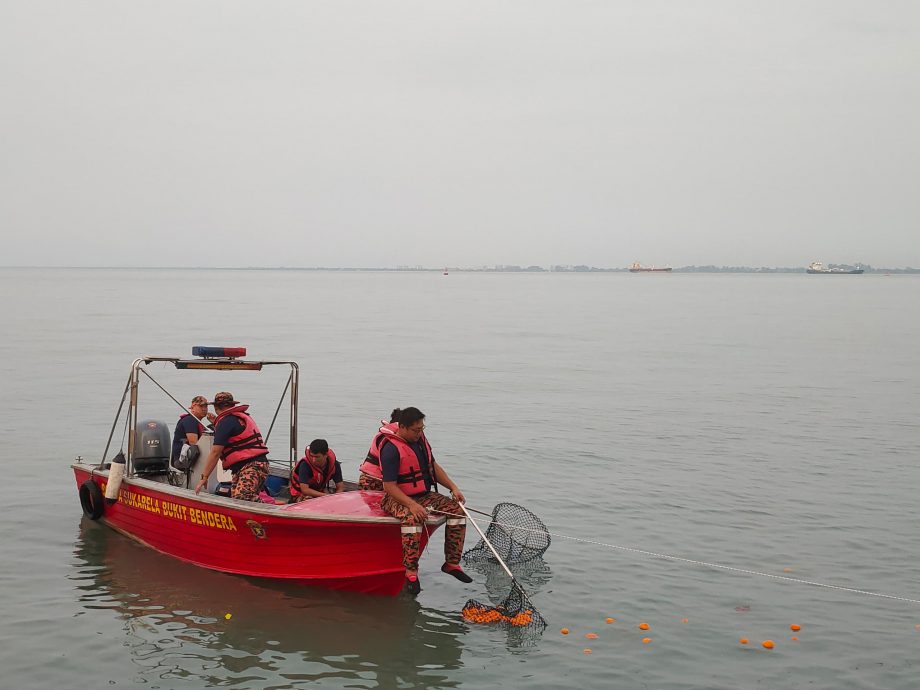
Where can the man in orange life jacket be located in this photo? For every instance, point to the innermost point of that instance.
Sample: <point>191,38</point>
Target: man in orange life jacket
<point>370,476</point>
<point>314,471</point>
<point>238,443</point>
<point>409,473</point>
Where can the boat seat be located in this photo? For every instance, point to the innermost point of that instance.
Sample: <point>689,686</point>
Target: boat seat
<point>218,475</point>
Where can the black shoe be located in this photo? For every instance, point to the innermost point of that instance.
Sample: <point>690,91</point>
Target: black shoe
<point>456,572</point>
<point>413,586</point>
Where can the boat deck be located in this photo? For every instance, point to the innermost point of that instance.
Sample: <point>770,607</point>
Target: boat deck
<point>363,504</point>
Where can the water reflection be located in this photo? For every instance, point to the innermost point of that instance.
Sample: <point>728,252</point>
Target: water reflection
<point>532,575</point>
<point>277,636</point>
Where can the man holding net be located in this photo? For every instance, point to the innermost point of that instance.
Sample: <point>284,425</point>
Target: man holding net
<point>409,475</point>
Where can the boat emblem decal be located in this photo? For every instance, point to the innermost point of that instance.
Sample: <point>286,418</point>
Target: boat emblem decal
<point>257,530</point>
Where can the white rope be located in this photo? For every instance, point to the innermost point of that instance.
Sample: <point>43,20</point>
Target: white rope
<point>719,566</point>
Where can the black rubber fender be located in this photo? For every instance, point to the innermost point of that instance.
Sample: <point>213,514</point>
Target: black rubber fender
<point>91,499</point>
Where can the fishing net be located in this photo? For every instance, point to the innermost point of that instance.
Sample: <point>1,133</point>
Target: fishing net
<point>515,611</point>
<point>516,534</point>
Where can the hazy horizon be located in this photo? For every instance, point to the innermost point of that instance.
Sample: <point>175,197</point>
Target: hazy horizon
<point>506,268</point>
<point>233,134</point>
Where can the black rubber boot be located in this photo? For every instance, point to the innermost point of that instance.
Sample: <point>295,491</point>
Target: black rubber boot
<point>456,571</point>
<point>413,586</point>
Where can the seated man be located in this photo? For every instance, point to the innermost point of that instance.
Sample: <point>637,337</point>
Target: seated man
<point>370,475</point>
<point>409,475</point>
<point>314,471</point>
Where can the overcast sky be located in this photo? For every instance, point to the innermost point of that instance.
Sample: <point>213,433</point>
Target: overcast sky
<point>376,133</point>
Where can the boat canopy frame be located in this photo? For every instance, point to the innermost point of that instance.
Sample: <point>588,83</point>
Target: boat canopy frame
<point>291,391</point>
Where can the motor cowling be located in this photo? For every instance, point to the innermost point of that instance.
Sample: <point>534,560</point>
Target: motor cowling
<point>152,447</point>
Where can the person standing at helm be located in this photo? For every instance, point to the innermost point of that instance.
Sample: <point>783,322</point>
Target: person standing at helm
<point>370,477</point>
<point>409,473</point>
<point>190,427</point>
<point>313,472</point>
<point>238,443</point>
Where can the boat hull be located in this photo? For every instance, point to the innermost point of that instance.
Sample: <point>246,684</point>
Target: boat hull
<point>342,541</point>
<point>650,270</point>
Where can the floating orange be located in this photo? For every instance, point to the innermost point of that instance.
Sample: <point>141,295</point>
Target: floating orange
<point>586,650</point>
<point>476,614</point>
<point>643,626</point>
<point>685,620</point>
<point>646,640</point>
<point>564,631</point>
<point>795,627</point>
<point>611,620</point>
<point>591,636</point>
<point>767,644</point>
<point>787,570</point>
<point>521,619</point>
<point>744,640</point>
<point>795,639</point>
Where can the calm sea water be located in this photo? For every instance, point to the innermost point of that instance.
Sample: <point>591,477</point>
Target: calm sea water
<point>762,422</point>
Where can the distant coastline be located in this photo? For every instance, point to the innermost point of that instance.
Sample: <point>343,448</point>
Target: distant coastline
<point>498,268</point>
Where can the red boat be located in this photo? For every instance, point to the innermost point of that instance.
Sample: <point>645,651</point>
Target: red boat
<point>339,541</point>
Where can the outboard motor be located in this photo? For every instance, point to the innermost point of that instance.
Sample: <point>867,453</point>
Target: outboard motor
<point>152,447</point>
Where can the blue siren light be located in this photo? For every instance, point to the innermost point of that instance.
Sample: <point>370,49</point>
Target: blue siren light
<point>202,351</point>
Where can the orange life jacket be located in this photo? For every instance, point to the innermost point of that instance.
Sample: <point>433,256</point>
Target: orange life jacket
<point>245,445</point>
<point>371,464</point>
<point>411,479</point>
<point>320,479</point>
<point>200,425</point>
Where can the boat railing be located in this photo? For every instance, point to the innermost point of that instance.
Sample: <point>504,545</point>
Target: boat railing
<point>208,359</point>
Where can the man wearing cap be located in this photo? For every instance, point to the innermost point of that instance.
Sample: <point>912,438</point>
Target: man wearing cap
<point>238,443</point>
<point>189,427</point>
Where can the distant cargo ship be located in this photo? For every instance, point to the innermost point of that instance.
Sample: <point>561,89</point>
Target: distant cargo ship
<point>818,267</point>
<point>639,268</point>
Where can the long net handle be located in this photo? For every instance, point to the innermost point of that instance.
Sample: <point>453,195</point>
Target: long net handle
<point>487,542</point>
